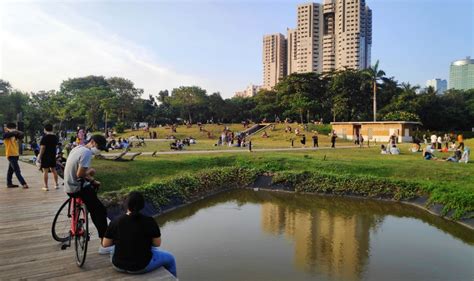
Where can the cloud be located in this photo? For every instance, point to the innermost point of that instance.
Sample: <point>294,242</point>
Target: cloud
<point>39,49</point>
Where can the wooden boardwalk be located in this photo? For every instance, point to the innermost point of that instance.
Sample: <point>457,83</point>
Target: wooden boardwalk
<point>27,250</point>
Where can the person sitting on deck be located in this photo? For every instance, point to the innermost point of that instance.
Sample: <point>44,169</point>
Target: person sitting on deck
<point>133,240</point>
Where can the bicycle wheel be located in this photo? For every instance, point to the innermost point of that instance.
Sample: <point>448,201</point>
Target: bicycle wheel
<point>82,234</point>
<point>61,228</point>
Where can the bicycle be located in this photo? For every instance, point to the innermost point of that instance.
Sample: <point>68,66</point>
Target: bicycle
<point>72,223</point>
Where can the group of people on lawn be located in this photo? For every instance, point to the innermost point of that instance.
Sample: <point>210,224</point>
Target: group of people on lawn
<point>438,144</point>
<point>461,153</point>
<point>132,239</point>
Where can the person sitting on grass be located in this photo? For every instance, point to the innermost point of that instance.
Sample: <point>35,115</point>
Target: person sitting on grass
<point>134,240</point>
<point>264,135</point>
<point>428,155</point>
<point>394,150</point>
<point>456,157</point>
<point>383,150</point>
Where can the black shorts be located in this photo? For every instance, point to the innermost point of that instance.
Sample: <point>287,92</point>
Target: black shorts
<point>48,162</point>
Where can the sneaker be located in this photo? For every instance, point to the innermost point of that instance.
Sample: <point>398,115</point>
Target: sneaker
<point>45,188</point>
<point>12,185</point>
<point>105,250</point>
<point>56,187</point>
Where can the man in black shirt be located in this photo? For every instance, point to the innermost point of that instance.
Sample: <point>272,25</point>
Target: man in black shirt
<point>47,156</point>
<point>136,238</point>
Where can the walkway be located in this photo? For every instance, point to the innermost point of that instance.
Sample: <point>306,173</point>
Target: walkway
<point>244,149</point>
<point>27,250</point>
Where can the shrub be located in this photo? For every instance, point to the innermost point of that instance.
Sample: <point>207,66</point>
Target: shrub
<point>120,127</point>
<point>187,187</point>
<point>315,182</point>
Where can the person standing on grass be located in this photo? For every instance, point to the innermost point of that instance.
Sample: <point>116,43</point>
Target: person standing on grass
<point>333,139</point>
<point>434,139</point>
<point>440,142</point>
<point>12,152</point>
<point>461,142</point>
<point>303,141</point>
<point>47,156</point>
<point>315,139</point>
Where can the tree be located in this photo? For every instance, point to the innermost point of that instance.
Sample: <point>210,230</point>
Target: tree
<point>304,92</point>
<point>374,74</point>
<point>5,87</point>
<point>74,85</point>
<point>401,116</point>
<point>89,105</point>
<point>126,94</point>
<point>266,104</point>
<point>187,100</point>
<point>215,107</point>
<point>350,95</point>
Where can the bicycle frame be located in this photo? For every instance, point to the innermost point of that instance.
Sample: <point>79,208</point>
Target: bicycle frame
<point>72,213</point>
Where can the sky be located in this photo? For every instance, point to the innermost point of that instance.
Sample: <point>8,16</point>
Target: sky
<point>214,44</point>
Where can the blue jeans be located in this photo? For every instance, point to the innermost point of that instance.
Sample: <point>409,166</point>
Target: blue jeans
<point>159,258</point>
<point>13,167</point>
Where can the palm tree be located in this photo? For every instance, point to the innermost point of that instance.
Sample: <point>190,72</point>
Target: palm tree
<point>374,74</point>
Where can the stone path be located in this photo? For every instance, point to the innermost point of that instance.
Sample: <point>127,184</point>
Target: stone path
<point>27,250</point>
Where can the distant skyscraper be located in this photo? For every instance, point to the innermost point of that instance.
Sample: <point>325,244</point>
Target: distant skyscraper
<point>309,38</point>
<point>331,36</point>
<point>440,85</point>
<point>347,39</point>
<point>274,59</point>
<point>291,50</point>
<point>461,74</point>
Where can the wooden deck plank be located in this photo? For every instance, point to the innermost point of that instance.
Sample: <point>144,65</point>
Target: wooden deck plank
<point>27,250</point>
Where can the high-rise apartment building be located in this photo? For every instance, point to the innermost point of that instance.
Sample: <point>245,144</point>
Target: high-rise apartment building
<point>274,59</point>
<point>309,38</point>
<point>461,74</point>
<point>291,50</point>
<point>440,85</point>
<point>347,37</point>
<point>331,36</point>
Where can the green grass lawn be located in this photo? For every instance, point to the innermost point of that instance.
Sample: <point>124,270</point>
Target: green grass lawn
<point>444,180</point>
<point>277,138</point>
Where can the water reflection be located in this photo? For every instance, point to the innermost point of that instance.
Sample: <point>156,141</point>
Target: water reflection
<point>330,237</point>
<point>324,242</point>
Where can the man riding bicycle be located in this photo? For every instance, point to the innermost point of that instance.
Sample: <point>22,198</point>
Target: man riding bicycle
<point>79,181</point>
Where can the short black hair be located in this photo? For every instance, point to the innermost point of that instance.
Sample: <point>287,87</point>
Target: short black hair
<point>100,141</point>
<point>135,202</point>
<point>11,125</point>
<point>48,127</point>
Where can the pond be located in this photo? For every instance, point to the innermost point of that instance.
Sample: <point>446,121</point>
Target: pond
<point>261,235</point>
